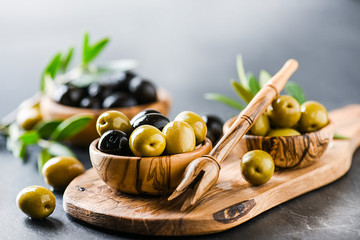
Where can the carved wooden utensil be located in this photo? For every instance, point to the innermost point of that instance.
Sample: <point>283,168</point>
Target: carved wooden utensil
<point>202,173</point>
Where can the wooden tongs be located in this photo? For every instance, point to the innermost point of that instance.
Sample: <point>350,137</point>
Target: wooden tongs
<point>202,173</point>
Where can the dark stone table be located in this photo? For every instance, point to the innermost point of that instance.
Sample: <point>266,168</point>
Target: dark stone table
<point>189,48</point>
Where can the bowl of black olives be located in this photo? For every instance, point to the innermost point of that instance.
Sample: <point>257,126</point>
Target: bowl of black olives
<point>123,91</point>
<point>294,135</point>
<point>147,154</point>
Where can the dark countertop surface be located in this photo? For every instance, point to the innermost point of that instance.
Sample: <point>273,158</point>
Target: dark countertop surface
<point>189,48</point>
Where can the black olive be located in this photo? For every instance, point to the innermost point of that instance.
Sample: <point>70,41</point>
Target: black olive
<point>142,113</point>
<point>118,100</point>
<point>100,91</point>
<point>114,142</point>
<point>214,127</point>
<point>154,119</point>
<point>62,95</point>
<point>143,90</point>
<point>89,102</point>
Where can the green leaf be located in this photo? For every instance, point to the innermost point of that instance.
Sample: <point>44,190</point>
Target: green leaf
<point>264,77</point>
<point>43,157</point>
<point>241,72</point>
<point>58,149</point>
<point>97,48</point>
<point>254,84</point>
<point>18,149</point>
<point>66,60</point>
<point>70,127</point>
<point>85,49</point>
<point>50,70</point>
<point>293,89</point>
<point>90,52</point>
<point>46,129</point>
<point>30,137</point>
<point>340,137</point>
<point>243,93</point>
<point>225,100</point>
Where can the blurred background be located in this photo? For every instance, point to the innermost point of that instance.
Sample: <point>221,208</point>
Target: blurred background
<point>189,47</point>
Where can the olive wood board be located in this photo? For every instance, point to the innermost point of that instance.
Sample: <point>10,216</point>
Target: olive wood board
<point>231,202</point>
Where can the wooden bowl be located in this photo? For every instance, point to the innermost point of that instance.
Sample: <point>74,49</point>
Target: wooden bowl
<point>144,175</point>
<point>51,110</point>
<point>288,151</point>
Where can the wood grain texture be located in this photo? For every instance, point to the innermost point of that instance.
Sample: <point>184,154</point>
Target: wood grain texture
<point>144,175</point>
<point>52,110</point>
<point>231,202</point>
<point>290,151</point>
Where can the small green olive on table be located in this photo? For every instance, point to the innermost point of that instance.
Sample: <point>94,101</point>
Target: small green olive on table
<point>313,116</point>
<point>180,137</point>
<point>196,122</point>
<point>257,167</point>
<point>113,120</point>
<point>283,132</point>
<point>284,111</point>
<point>36,201</point>
<point>147,141</point>
<point>261,127</point>
<point>27,118</point>
<point>59,171</point>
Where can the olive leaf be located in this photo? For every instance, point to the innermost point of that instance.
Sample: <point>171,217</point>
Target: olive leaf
<point>340,137</point>
<point>50,70</point>
<point>91,51</point>
<point>293,89</point>
<point>65,61</point>
<point>46,128</point>
<point>264,77</point>
<point>43,157</point>
<point>253,84</point>
<point>71,127</point>
<point>241,72</point>
<point>242,92</point>
<point>29,137</point>
<point>58,149</point>
<point>224,99</point>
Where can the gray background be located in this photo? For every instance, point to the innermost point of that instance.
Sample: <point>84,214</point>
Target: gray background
<point>189,48</point>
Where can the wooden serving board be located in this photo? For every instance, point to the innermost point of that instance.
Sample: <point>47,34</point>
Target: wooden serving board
<point>231,202</point>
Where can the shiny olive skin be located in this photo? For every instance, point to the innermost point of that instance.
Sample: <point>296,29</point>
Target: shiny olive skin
<point>122,84</point>
<point>280,132</point>
<point>257,167</point>
<point>180,137</point>
<point>143,90</point>
<point>59,171</point>
<point>27,118</point>
<point>36,201</point>
<point>90,102</point>
<point>284,111</point>
<point>261,127</point>
<point>114,142</point>
<point>214,128</point>
<point>313,116</point>
<point>142,113</point>
<point>147,141</point>
<point>69,95</point>
<point>112,120</point>
<point>119,100</point>
<point>196,122</point>
<point>154,119</point>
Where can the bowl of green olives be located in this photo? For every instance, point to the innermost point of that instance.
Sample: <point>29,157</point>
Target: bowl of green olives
<point>294,135</point>
<point>149,153</point>
<point>124,91</point>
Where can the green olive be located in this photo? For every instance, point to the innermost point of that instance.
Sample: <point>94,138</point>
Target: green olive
<point>27,118</point>
<point>196,122</point>
<point>113,120</point>
<point>257,167</point>
<point>283,132</point>
<point>284,111</point>
<point>147,141</point>
<point>261,127</point>
<point>59,171</point>
<point>313,116</point>
<point>180,137</point>
<point>36,201</point>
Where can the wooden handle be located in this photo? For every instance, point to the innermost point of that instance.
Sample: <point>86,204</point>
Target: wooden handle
<point>253,111</point>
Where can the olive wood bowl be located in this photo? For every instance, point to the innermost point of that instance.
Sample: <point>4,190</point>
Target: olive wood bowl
<point>144,175</point>
<point>287,151</point>
<point>51,110</point>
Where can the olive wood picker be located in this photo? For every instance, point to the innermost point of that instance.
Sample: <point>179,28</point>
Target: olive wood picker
<point>202,173</point>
